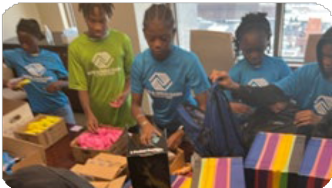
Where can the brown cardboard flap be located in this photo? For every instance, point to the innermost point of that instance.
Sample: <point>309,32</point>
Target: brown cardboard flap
<point>30,153</point>
<point>117,183</point>
<point>213,48</point>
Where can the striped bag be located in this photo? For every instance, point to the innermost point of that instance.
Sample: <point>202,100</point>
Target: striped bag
<point>316,168</point>
<point>274,160</point>
<point>218,173</point>
<point>177,182</point>
<point>181,182</point>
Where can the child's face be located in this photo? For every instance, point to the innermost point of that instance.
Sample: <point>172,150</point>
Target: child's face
<point>253,45</point>
<point>278,107</point>
<point>97,23</point>
<point>28,42</point>
<point>327,59</point>
<point>159,38</point>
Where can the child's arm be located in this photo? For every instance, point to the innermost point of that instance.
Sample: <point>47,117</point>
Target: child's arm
<point>57,86</point>
<point>123,96</point>
<point>85,102</point>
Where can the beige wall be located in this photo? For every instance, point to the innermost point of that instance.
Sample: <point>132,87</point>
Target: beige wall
<point>12,16</point>
<point>123,20</point>
<point>44,13</point>
<point>51,16</point>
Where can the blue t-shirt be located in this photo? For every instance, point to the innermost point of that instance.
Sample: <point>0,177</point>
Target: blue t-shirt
<point>308,87</point>
<point>169,82</point>
<point>271,70</point>
<point>42,69</point>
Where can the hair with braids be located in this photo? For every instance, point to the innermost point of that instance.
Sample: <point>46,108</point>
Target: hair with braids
<point>160,12</point>
<point>252,21</point>
<point>87,8</point>
<point>30,26</point>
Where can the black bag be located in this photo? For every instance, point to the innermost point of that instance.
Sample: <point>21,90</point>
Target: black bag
<point>213,133</point>
<point>148,165</point>
<point>266,121</point>
<point>38,176</point>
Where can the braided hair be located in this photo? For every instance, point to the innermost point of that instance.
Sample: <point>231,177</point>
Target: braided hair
<point>87,8</point>
<point>160,12</point>
<point>252,21</point>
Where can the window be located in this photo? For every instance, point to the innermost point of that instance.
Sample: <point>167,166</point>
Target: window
<point>140,9</point>
<point>217,17</point>
<point>301,20</point>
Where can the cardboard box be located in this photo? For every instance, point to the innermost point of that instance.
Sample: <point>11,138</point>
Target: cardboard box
<point>31,154</point>
<point>15,114</point>
<point>81,155</point>
<point>7,73</point>
<point>117,183</point>
<point>212,47</point>
<point>47,138</point>
<point>178,161</point>
<point>104,167</point>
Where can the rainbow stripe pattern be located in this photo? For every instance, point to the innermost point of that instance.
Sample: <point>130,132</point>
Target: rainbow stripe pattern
<point>182,182</point>
<point>316,168</point>
<point>218,173</point>
<point>273,158</point>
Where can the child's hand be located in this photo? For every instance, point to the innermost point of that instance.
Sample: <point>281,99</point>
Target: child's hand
<point>224,79</point>
<point>306,117</point>
<point>54,86</point>
<point>17,83</point>
<point>117,103</point>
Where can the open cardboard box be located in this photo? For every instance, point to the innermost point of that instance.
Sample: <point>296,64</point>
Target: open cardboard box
<point>103,167</point>
<point>31,154</point>
<point>177,162</point>
<point>81,155</point>
<point>15,114</point>
<point>47,138</point>
<point>117,183</point>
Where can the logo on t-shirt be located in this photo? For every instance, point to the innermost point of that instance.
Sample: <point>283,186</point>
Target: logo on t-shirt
<point>323,104</point>
<point>258,82</point>
<point>160,81</point>
<point>36,69</point>
<point>102,60</point>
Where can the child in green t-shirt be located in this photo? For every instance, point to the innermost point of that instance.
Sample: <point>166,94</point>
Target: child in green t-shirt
<point>100,61</point>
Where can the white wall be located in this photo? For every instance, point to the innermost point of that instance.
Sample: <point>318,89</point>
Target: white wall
<point>12,16</point>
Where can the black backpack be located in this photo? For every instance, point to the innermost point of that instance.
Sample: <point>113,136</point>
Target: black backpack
<point>212,133</point>
<point>38,176</point>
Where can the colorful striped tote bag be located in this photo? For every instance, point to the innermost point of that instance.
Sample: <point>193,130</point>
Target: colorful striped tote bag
<point>274,160</point>
<point>316,168</point>
<point>218,173</point>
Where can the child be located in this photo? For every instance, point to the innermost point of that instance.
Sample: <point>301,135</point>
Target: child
<point>310,86</point>
<point>167,73</point>
<point>43,68</point>
<point>99,68</point>
<point>252,38</point>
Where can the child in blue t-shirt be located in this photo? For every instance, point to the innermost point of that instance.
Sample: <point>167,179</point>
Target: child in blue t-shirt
<point>43,68</point>
<point>168,73</point>
<point>310,86</point>
<point>257,69</point>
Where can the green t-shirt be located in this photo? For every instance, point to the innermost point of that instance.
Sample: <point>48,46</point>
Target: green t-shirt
<point>101,68</point>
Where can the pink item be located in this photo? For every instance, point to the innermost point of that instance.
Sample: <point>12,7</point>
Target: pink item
<point>103,139</point>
